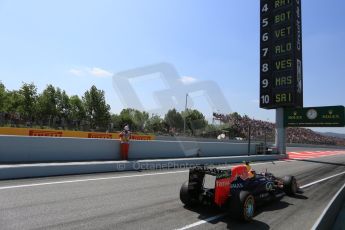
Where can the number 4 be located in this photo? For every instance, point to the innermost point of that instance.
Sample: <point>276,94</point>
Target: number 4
<point>264,8</point>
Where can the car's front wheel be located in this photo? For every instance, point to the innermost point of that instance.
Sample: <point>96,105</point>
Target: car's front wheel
<point>290,185</point>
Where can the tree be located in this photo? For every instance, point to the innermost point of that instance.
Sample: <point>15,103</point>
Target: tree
<point>97,110</point>
<point>236,116</point>
<point>28,93</point>
<point>134,118</point>
<point>174,119</point>
<point>13,102</point>
<point>3,96</point>
<point>126,117</point>
<point>46,104</point>
<point>116,121</point>
<point>140,119</point>
<point>155,124</point>
<point>77,110</point>
<point>63,105</point>
<point>194,120</point>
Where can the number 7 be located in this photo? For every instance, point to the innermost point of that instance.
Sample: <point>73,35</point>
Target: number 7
<point>265,50</point>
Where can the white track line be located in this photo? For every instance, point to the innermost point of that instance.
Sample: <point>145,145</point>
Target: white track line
<point>85,180</point>
<point>224,214</point>
<point>318,181</point>
<point>318,221</point>
<point>202,222</point>
<point>119,177</point>
<point>115,177</point>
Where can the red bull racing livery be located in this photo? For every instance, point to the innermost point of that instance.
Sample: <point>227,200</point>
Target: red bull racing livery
<point>239,189</point>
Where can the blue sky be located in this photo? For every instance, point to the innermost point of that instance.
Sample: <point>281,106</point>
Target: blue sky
<point>74,44</point>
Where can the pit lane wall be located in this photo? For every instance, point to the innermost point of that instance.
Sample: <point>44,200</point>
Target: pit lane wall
<point>33,149</point>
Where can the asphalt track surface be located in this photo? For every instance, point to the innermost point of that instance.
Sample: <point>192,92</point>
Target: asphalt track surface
<point>150,200</point>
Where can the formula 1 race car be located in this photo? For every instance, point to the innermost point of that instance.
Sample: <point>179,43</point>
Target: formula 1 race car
<point>238,190</point>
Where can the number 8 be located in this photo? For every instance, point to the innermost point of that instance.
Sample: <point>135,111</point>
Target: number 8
<point>264,68</point>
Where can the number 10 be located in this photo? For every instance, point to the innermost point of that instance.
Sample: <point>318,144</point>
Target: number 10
<point>265,99</point>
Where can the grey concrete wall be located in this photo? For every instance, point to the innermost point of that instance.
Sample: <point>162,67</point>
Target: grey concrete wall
<point>21,149</point>
<point>175,149</point>
<point>16,149</point>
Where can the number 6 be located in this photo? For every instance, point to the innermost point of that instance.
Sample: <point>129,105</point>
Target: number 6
<point>265,37</point>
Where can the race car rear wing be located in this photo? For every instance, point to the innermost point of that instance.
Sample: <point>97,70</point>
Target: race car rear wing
<point>222,182</point>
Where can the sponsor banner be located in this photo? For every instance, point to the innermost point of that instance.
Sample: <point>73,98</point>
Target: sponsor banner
<point>63,133</point>
<point>46,133</point>
<point>100,135</point>
<point>326,116</point>
<point>142,137</point>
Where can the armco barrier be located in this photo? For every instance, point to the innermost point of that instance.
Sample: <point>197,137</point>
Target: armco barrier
<point>22,149</point>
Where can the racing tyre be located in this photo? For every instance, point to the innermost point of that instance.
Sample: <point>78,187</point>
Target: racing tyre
<point>185,196</point>
<point>290,185</point>
<point>242,206</point>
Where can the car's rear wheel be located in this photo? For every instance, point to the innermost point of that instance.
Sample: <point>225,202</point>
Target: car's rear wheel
<point>185,195</point>
<point>290,185</point>
<point>242,206</point>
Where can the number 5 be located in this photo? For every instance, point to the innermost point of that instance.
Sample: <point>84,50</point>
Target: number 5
<point>264,22</point>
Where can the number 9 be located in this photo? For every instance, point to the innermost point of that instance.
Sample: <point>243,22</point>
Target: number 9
<point>264,83</point>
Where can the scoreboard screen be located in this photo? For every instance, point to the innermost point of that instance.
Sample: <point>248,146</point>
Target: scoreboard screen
<point>281,81</point>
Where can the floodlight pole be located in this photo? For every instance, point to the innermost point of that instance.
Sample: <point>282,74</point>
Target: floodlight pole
<point>280,136</point>
<point>184,117</point>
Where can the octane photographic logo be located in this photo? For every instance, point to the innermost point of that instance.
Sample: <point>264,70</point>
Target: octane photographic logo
<point>174,96</point>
